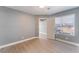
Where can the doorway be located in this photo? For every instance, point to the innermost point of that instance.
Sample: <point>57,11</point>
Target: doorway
<point>43,28</point>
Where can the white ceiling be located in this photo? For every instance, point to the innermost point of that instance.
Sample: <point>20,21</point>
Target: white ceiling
<point>35,10</point>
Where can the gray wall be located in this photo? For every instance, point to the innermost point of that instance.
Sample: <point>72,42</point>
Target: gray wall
<point>15,25</point>
<point>68,37</point>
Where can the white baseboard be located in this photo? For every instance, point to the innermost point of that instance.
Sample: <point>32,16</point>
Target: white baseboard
<point>43,35</point>
<point>17,42</point>
<point>72,43</point>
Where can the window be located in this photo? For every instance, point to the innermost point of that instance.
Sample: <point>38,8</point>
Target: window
<point>65,24</point>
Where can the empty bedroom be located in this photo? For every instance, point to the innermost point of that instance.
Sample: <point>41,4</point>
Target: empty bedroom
<point>39,29</point>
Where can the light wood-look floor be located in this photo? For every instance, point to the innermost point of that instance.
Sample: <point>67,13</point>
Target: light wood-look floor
<point>41,46</point>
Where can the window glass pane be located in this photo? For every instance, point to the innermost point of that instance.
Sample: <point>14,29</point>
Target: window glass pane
<point>65,24</point>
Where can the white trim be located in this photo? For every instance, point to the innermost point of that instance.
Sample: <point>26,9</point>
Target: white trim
<point>72,43</point>
<point>17,42</point>
<point>47,36</point>
<point>43,33</point>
